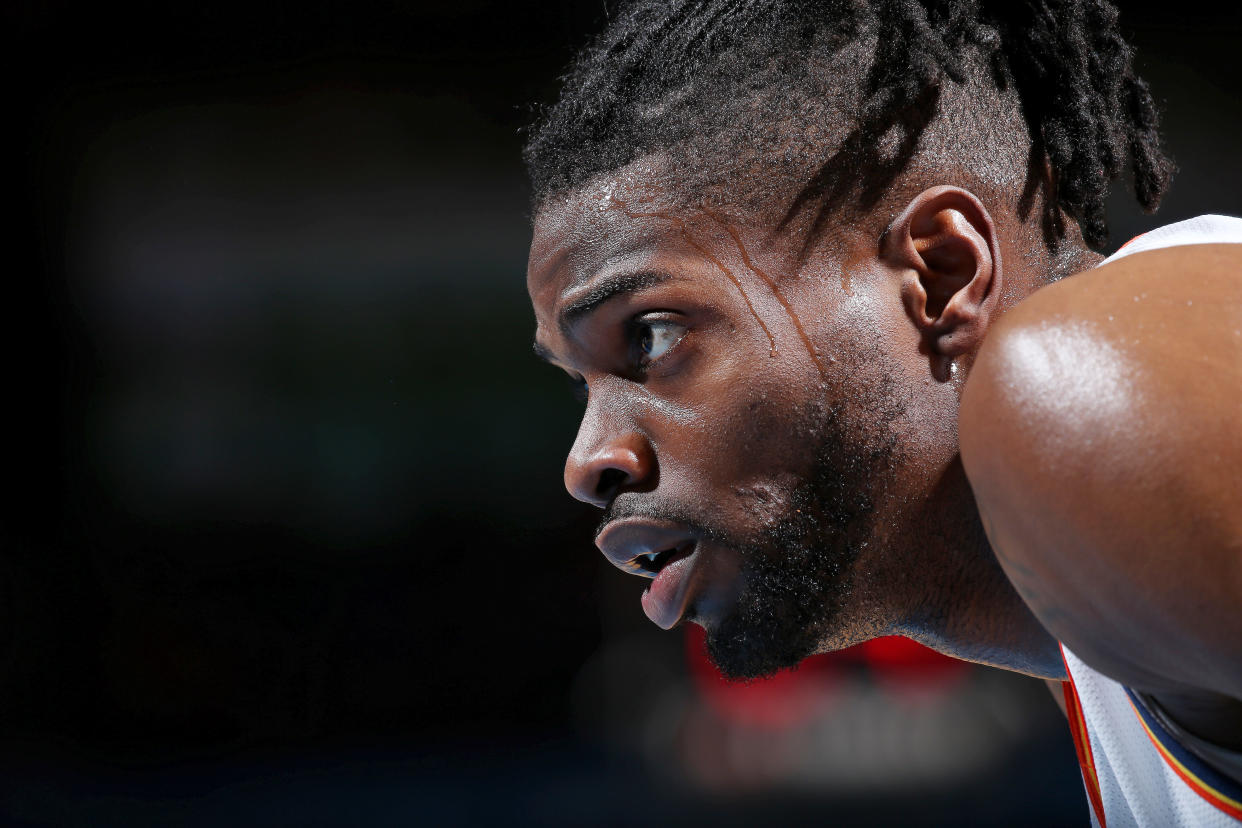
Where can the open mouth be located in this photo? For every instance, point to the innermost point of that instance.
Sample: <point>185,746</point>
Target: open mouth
<point>645,546</point>
<point>651,563</point>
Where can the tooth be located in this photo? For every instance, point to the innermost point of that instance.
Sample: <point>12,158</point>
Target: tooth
<point>651,556</point>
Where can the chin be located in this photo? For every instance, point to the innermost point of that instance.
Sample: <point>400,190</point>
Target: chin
<point>744,652</point>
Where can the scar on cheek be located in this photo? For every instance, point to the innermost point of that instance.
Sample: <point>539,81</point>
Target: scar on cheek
<point>764,502</point>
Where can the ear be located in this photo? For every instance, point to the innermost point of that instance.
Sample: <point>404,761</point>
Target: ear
<point>945,242</point>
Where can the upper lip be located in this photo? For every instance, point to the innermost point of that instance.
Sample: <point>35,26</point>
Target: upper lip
<point>629,542</point>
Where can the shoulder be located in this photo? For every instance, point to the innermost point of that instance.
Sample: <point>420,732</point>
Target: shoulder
<point>1151,340</point>
<point>1100,431</point>
<point>1113,347</point>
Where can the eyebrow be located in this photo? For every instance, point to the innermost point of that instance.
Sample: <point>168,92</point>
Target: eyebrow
<point>605,291</point>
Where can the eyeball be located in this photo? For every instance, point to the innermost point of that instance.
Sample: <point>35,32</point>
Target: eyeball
<point>656,338</point>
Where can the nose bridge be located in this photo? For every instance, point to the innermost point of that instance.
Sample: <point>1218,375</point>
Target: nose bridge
<point>609,453</point>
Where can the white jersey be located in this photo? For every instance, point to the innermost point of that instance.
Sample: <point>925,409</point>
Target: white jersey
<point>1199,230</point>
<point>1136,764</point>
<point>1137,775</point>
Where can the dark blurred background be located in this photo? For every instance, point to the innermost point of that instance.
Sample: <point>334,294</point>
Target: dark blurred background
<point>286,541</point>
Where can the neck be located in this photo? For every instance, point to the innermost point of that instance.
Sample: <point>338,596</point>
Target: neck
<point>974,613</point>
<point>1031,262</point>
<point>1071,254</point>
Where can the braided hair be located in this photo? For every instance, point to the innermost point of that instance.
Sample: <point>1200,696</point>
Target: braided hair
<point>835,97</point>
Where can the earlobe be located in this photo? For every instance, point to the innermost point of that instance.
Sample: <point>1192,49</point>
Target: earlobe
<point>945,242</point>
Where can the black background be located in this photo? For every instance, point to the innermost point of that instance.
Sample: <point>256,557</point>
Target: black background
<point>284,479</point>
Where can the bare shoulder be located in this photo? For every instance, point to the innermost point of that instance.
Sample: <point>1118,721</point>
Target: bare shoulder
<point>1101,429</point>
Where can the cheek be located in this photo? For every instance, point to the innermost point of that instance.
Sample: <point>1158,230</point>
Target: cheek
<point>751,447</point>
<point>771,420</point>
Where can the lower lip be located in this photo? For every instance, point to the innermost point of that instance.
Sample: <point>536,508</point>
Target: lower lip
<point>664,600</point>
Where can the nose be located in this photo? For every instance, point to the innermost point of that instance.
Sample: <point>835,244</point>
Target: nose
<point>604,461</point>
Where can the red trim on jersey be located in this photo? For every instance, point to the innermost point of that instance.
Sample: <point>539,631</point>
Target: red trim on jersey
<point>1082,744</point>
<point>1130,242</point>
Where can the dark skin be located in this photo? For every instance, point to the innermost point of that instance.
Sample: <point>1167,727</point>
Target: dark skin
<point>1101,432</point>
<point>705,341</point>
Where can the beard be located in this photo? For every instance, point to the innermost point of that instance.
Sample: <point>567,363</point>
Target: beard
<point>799,572</point>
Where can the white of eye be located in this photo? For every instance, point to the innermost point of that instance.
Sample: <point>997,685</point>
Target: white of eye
<point>656,338</point>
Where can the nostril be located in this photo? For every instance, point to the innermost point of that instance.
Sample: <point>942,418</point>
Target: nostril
<point>610,480</point>
<point>597,470</point>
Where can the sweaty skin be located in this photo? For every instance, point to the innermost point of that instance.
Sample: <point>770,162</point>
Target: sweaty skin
<point>744,410</point>
<point>715,442</point>
<point>1102,432</point>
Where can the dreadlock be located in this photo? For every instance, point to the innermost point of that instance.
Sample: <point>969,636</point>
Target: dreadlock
<point>835,96</point>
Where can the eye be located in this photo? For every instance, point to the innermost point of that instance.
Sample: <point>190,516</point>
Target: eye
<point>655,337</point>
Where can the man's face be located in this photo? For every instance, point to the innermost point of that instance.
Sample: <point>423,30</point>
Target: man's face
<point>742,418</point>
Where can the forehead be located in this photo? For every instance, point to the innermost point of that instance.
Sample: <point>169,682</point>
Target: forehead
<point>611,219</point>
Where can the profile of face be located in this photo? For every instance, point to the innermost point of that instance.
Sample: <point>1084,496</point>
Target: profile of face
<point>761,427</point>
